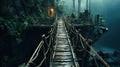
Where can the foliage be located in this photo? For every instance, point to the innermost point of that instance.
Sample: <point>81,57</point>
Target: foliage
<point>17,15</point>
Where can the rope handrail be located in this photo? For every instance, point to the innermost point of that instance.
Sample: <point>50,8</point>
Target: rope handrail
<point>34,54</point>
<point>85,42</point>
<point>96,54</point>
<point>45,54</point>
<point>37,50</point>
<point>41,44</point>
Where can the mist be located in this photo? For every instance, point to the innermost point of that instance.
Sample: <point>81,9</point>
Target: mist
<point>111,12</point>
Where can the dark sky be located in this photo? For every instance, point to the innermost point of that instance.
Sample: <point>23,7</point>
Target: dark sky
<point>110,9</point>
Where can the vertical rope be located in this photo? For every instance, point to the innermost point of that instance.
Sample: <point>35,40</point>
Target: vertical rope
<point>95,61</point>
<point>91,48</point>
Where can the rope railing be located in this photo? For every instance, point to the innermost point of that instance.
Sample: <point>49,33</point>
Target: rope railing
<point>37,50</point>
<point>84,43</point>
<point>94,52</point>
<point>47,41</point>
<point>35,54</point>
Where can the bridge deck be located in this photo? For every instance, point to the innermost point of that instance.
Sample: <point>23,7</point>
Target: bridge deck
<point>63,53</point>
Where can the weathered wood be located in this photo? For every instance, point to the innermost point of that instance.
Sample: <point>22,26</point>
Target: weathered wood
<point>63,52</point>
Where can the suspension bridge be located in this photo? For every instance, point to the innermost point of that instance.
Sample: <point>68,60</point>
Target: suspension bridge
<point>58,49</point>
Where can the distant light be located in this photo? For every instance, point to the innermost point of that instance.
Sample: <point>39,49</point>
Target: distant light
<point>51,9</point>
<point>106,28</point>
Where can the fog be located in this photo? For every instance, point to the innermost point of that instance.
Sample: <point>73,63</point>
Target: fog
<point>110,9</point>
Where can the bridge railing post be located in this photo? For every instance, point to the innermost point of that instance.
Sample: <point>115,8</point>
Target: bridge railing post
<point>52,32</point>
<point>94,53</point>
<point>44,49</point>
<point>78,40</point>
